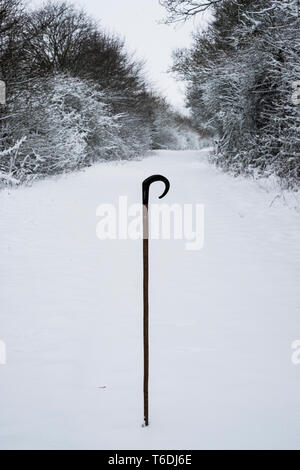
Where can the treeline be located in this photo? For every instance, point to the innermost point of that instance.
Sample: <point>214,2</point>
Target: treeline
<point>242,74</point>
<point>74,96</point>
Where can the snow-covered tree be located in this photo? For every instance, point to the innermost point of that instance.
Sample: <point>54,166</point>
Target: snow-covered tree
<point>240,73</point>
<point>62,123</point>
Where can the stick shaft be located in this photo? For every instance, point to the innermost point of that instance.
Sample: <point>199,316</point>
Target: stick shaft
<point>146,185</point>
<point>146,312</point>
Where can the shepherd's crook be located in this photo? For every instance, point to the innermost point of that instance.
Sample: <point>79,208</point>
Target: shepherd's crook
<point>146,187</point>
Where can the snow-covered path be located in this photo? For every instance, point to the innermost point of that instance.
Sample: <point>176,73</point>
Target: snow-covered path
<point>222,319</point>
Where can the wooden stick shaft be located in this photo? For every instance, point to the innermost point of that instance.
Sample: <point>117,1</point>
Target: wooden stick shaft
<point>146,185</point>
<point>146,312</point>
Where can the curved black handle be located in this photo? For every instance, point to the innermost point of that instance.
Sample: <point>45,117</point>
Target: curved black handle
<point>149,181</point>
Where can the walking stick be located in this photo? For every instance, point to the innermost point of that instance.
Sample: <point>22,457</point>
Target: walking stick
<point>146,187</point>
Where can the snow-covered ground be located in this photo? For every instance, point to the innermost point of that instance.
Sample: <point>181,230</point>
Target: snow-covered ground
<point>222,319</point>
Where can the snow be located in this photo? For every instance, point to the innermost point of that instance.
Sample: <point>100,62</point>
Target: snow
<point>222,319</point>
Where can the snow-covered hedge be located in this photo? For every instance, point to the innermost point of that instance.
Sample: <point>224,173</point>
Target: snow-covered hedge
<point>240,74</point>
<point>60,124</point>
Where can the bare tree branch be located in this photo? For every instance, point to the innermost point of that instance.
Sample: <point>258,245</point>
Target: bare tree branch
<point>183,10</point>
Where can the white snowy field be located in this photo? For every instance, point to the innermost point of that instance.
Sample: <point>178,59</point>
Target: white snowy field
<point>222,319</point>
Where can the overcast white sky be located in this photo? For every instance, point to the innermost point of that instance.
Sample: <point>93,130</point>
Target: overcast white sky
<point>137,21</point>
